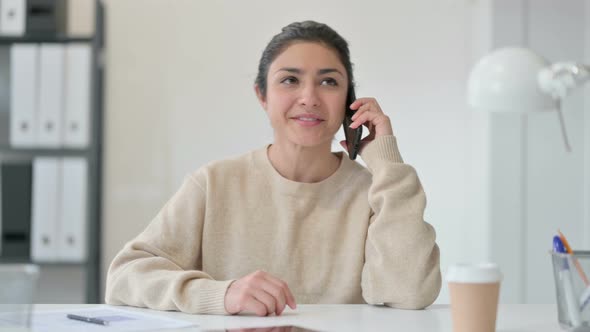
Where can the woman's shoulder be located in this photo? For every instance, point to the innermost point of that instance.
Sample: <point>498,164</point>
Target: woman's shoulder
<point>354,166</point>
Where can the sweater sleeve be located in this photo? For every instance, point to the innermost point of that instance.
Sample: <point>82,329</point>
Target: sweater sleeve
<point>159,269</point>
<point>402,268</point>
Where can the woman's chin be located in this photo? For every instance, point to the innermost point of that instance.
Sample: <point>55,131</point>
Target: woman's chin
<point>312,142</point>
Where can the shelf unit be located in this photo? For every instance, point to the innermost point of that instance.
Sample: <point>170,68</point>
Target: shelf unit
<point>89,270</point>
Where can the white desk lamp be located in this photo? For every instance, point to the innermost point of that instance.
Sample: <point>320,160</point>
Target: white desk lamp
<point>519,81</point>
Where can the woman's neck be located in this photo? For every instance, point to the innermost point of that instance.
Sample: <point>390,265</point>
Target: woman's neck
<point>303,164</point>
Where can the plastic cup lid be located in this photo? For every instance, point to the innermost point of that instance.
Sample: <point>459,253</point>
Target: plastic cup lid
<point>474,273</point>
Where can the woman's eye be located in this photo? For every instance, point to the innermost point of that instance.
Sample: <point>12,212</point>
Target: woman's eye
<point>289,80</point>
<point>329,81</point>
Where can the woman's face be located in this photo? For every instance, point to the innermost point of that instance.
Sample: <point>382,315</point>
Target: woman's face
<point>306,93</point>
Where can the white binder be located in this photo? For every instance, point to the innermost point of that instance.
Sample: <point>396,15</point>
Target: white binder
<point>24,73</point>
<point>72,236</point>
<point>13,14</point>
<point>45,209</point>
<point>51,98</point>
<point>77,95</point>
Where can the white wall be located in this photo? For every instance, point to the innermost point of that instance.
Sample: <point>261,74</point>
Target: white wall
<point>533,185</point>
<point>179,93</point>
<point>506,162</point>
<point>555,188</point>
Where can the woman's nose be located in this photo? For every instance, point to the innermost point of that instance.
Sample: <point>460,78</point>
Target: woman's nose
<point>309,97</point>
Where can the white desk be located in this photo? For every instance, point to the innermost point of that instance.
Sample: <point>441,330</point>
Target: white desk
<point>343,318</point>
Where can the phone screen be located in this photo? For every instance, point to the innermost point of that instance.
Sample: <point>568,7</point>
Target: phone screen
<point>353,136</point>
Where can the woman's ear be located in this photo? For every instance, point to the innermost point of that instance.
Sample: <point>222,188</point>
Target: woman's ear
<point>260,96</point>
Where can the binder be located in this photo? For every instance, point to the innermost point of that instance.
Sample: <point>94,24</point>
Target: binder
<point>77,93</point>
<point>45,209</point>
<point>24,75</point>
<point>13,17</point>
<point>15,202</point>
<point>51,98</point>
<point>72,236</point>
<point>5,96</point>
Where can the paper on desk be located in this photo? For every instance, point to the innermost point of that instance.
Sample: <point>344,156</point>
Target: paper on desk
<point>119,320</point>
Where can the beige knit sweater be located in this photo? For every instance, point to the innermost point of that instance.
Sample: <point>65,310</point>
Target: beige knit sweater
<point>355,237</point>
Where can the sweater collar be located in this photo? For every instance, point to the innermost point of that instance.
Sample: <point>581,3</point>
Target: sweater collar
<point>329,185</point>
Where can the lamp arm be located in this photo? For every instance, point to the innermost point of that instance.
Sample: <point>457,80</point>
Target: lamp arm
<point>561,78</point>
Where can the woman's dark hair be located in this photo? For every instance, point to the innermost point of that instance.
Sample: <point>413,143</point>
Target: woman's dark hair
<point>307,31</point>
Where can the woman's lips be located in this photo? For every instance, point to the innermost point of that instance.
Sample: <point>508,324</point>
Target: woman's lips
<point>307,121</point>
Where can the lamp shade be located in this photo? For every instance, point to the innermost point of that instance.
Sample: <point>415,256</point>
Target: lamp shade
<point>506,81</point>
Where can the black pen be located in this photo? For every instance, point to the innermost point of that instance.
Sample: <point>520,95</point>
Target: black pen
<point>88,319</point>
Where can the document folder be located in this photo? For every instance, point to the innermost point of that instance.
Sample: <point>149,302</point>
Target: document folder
<point>45,209</point>
<point>24,75</point>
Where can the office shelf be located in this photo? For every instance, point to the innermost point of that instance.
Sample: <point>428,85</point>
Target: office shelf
<point>85,273</point>
<point>26,260</point>
<point>34,152</point>
<point>43,39</point>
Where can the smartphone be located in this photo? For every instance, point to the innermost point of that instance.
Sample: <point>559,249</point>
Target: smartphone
<point>353,136</point>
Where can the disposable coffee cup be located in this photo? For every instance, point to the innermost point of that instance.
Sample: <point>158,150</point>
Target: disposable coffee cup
<point>474,290</point>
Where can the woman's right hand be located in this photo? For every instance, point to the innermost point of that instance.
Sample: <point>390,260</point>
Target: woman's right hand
<point>259,293</point>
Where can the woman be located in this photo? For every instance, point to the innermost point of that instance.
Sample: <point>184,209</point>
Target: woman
<point>290,222</point>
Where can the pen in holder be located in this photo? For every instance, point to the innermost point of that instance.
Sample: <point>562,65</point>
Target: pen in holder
<point>573,294</point>
<point>569,250</point>
<point>585,299</point>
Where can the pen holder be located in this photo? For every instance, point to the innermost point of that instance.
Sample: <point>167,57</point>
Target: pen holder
<point>572,289</point>
<point>18,285</point>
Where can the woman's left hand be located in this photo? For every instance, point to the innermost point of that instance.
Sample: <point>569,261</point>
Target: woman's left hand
<point>369,113</point>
